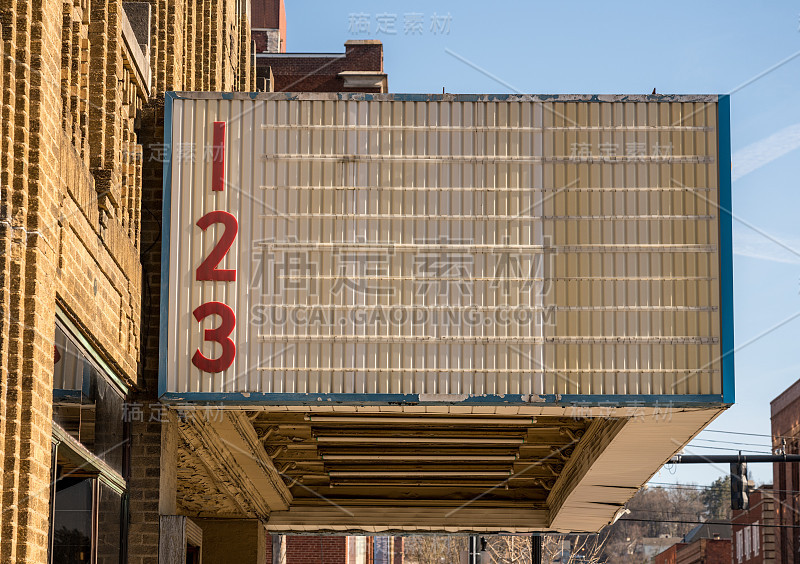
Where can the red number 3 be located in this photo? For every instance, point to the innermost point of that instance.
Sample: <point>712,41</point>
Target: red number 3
<point>219,335</point>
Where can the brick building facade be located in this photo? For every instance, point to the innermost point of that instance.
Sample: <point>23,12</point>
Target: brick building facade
<point>316,550</point>
<point>701,551</point>
<point>269,26</point>
<point>785,419</point>
<point>313,549</point>
<point>753,533</point>
<point>705,551</point>
<point>358,69</point>
<point>709,543</point>
<point>670,555</point>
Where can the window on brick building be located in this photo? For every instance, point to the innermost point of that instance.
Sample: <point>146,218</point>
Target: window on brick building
<point>88,504</point>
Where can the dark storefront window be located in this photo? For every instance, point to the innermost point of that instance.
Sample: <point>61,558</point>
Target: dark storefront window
<point>109,525</point>
<point>86,404</point>
<point>88,509</point>
<point>72,520</point>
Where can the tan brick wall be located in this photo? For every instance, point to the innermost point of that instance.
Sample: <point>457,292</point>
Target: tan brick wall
<point>98,270</point>
<point>5,241</point>
<point>32,101</point>
<point>204,45</point>
<point>71,209</point>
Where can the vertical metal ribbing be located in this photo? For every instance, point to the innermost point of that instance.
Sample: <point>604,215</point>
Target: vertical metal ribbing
<point>496,174</point>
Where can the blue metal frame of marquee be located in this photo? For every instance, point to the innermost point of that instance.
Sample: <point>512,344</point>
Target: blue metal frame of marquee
<point>595,400</point>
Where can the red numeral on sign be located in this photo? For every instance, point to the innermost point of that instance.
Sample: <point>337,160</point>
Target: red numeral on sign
<point>208,268</point>
<point>219,335</point>
<point>218,168</point>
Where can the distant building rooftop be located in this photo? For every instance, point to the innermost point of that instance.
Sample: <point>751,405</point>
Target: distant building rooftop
<point>358,69</point>
<point>708,531</point>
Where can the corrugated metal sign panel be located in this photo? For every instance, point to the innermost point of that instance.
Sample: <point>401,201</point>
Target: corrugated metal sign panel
<point>466,246</point>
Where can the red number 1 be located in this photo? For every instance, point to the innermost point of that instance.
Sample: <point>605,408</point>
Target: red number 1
<point>219,335</point>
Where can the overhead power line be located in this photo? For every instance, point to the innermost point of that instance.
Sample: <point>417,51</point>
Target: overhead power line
<point>742,433</point>
<point>680,522</point>
<point>701,487</point>
<point>715,441</point>
<point>731,449</point>
<point>740,458</point>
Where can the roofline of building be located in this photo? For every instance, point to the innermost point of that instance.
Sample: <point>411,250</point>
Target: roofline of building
<point>360,96</point>
<point>785,398</point>
<point>302,55</point>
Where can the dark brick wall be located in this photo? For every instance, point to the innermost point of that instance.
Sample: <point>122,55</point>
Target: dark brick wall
<point>269,14</point>
<point>326,550</point>
<point>718,551</point>
<point>316,550</point>
<point>145,477</point>
<point>670,555</point>
<point>705,551</point>
<point>762,512</point>
<point>785,411</point>
<point>399,548</point>
<point>321,74</point>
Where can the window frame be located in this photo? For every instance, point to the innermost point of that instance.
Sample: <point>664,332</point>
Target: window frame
<point>69,449</point>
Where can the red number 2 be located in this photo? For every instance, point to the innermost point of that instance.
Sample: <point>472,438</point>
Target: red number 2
<point>208,268</point>
<point>219,335</point>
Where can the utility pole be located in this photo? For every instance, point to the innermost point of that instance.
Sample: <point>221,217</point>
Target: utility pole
<point>536,549</point>
<point>475,549</point>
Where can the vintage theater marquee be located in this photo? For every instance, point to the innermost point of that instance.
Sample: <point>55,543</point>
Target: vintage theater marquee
<point>561,264</point>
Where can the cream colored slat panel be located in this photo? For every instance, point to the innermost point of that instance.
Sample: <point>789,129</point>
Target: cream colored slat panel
<point>387,275</point>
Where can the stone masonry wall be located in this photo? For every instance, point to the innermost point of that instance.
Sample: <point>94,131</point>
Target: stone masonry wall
<point>30,127</point>
<point>71,178</point>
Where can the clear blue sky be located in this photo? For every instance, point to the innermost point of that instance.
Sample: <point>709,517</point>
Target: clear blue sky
<point>631,48</point>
